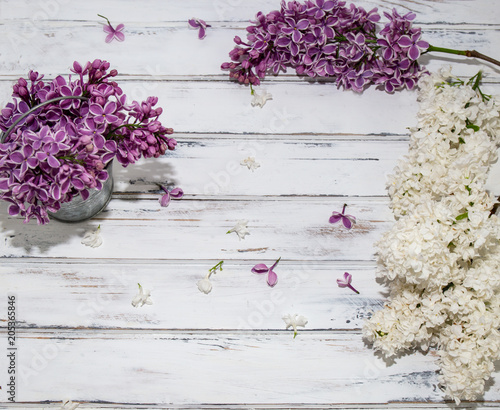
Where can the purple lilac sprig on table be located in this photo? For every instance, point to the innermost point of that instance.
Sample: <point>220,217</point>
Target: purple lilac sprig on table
<point>62,149</point>
<point>326,38</point>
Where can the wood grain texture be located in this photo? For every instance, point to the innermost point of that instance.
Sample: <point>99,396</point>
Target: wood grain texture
<point>79,337</point>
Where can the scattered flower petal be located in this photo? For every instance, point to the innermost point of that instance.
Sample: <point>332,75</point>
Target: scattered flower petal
<point>272,277</point>
<point>250,163</point>
<point>241,229</point>
<point>346,282</point>
<point>176,193</point>
<point>201,25</point>
<point>259,100</point>
<point>93,238</point>
<point>112,32</point>
<point>142,298</point>
<point>294,321</point>
<point>347,220</point>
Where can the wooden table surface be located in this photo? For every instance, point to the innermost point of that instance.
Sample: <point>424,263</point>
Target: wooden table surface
<point>79,337</point>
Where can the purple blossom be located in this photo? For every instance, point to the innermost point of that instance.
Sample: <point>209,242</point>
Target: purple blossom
<point>112,32</point>
<point>325,38</point>
<point>347,220</point>
<point>346,282</point>
<point>176,193</point>
<point>62,134</point>
<point>261,269</point>
<point>201,25</point>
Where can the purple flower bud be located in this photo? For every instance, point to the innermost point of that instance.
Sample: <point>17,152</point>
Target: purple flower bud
<point>171,143</point>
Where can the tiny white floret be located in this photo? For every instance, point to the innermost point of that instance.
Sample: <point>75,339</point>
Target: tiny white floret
<point>241,229</point>
<point>250,163</point>
<point>259,100</point>
<point>142,298</point>
<point>93,238</point>
<point>294,321</point>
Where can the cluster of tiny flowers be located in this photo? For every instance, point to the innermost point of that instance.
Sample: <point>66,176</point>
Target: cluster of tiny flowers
<point>325,38</point>
<point>441,259</point>
<point>61,149</point>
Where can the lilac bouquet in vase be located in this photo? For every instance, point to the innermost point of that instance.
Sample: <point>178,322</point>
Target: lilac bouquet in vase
<point>60,137</point>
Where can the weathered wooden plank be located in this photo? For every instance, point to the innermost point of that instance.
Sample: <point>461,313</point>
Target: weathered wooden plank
<point>187,368</point>
<point>305,167</point>
<point>209,107</point>
<point>51,48</point>
<point>191,229</point>
<point>83,294</point>
<point>428,11</point>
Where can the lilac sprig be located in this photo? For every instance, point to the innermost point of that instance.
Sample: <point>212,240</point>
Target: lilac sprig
<point>61,149</point>
<point>327,39</point>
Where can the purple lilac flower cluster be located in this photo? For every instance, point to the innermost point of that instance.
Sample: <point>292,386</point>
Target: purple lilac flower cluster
<point>62,148</point>
<point>328,39</point>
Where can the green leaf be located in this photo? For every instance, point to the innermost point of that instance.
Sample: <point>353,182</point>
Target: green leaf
<point>462,216</point>
<point>381,334</point>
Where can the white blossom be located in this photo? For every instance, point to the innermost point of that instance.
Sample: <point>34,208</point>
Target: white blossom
<point>241,229</point>
<point>294,321</point>
<point>259,100</point>
<point>204,285</point>
<point>69,405</point>
<point>93,238</point>
<point>142,298</point>
<point>250,163</point>
<point>442,256</point>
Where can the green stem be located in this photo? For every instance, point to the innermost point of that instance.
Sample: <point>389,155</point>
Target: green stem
<point>109,24</point>
<point>466,53</point>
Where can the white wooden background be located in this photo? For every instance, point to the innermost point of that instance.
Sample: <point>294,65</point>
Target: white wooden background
<point>78,335</point>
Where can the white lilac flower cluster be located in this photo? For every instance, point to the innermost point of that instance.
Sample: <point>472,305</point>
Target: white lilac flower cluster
<point>441,259</point>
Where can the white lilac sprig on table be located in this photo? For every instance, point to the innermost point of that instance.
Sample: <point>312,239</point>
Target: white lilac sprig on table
<point>113,33</point>
<point>262,269</point>
<point>204,285</point>
<point>74,129</point>
<point>441,259</point>
<point>321,38</point>
<point>294,321</point>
